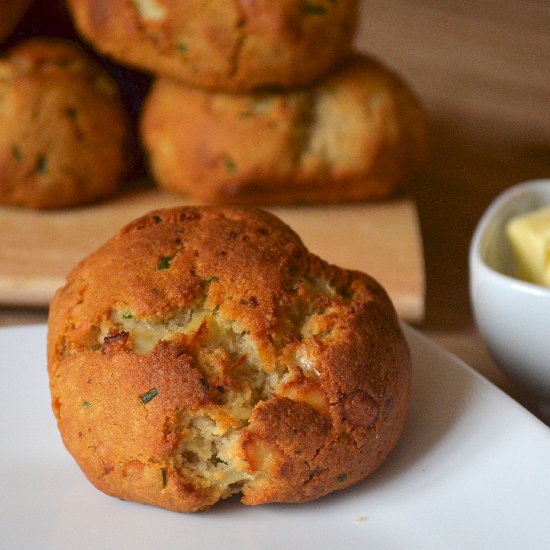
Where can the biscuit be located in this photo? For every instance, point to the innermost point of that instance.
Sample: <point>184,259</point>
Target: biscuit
<point>63,128</point>
<point>357,134</point>
<point>231,46</point>
<point>204,352</point>
<point>11,12</point>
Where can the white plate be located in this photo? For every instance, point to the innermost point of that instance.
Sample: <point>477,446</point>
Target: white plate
<point>472,471</point>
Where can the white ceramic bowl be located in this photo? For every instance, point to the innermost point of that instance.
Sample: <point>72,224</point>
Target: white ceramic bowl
<point>512,315</point>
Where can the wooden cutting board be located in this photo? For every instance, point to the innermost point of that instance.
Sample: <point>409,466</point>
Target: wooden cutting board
<point>37,249</point>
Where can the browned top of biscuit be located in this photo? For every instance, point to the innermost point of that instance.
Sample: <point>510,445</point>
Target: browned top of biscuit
<point>49,56</point>
<point>245,263</point>
<point>237,45</point>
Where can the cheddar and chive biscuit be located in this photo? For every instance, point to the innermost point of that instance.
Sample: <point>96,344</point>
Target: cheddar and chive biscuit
<point>224,45</point>
<point>63,128</point>
<point>357,134</point>
<point>204,352</point>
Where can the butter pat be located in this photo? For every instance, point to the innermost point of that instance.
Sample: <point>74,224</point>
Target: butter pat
<point>529,236</point>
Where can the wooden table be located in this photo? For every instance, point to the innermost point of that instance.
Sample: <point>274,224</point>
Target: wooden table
<point>482,70</point>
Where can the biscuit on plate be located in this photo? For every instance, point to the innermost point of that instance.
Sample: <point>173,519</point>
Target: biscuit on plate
<point>204,352</point>
<point>232,46</point>
<point>354,135</point>
<point>11,12</point>
<point>64,132</point>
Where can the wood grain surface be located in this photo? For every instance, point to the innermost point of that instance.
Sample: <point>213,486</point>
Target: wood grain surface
<point>37,249</point>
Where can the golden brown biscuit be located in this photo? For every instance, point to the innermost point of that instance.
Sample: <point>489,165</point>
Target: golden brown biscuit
<point>234,46</point>
<point>11,12</point>
<point>63,129</point>
<point>204,352</point>
<point>357,134</point>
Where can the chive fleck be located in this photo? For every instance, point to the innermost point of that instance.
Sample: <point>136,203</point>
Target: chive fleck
<point>314,9</point>
<point>127,315</point>
<point>148,396</point>
<point>42,164</point>
<point>86,404</point>
<point>346,293</point>
<point>230,165</point>
<point>212,279</point>
<point>182,47</point>
<point>274,89</point>
<point>221,389</point>
<point>342,478</point>
<point>218,460</point>
<point>157,218</point>
<point>164,262</point>
<point>16,152</point>
<point>71,112</point>
<point>164,477</point>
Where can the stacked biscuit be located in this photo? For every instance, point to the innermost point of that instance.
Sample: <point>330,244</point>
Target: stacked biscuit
<point>64,132</point>
<point>259,101</point>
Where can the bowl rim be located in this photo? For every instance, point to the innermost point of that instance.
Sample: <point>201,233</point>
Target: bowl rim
<point>476,260</point>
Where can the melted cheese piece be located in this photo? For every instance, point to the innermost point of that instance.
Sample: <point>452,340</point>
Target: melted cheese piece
<point>529,235</point>
<point>150,10</point>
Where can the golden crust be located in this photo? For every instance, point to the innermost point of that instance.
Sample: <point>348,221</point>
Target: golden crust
<point>355,135</point>
<point>234,46</point>
<point>11,12</point>
<point>64,132</point>
<point>204,352</point>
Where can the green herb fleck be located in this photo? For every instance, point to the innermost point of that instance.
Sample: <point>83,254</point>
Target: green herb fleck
<point>230,165</point>
<point>157,218</point>
<point>16,152</point>
<point>212,279</point>
<point>314,9</point>
<point>71,112</point>
<point>346,293</point>
<point>342,478</point>
<point>127,315</point>
<point>42,164</point>
<point>182,47</point>
<point>148,396</point>
<point>274,89</point>
<point>164,262</point>
<point>164,477</point>
<point>218,460</point>
<point>86,404</point>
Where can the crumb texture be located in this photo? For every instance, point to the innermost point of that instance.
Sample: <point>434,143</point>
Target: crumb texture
<point>204,352</point>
